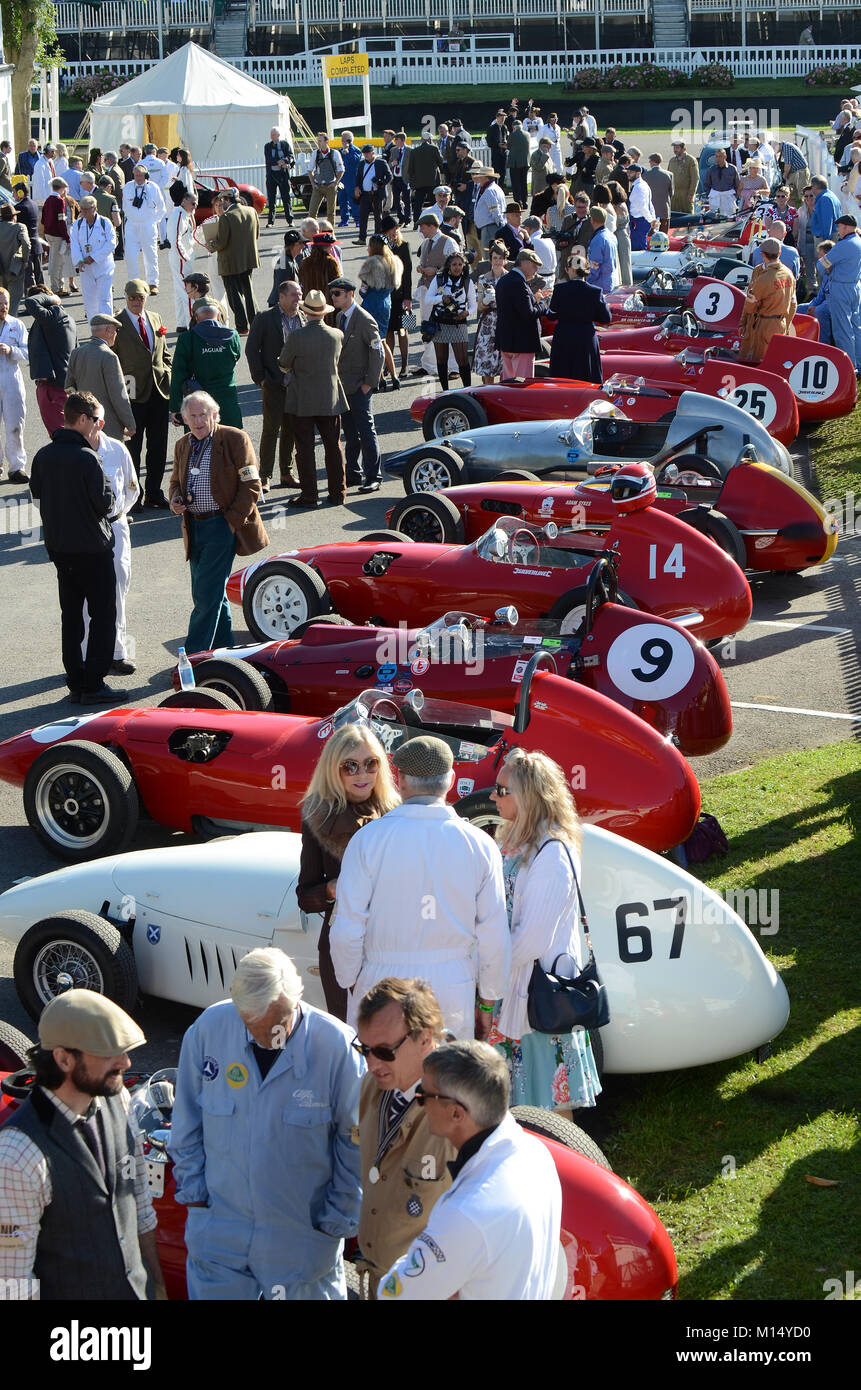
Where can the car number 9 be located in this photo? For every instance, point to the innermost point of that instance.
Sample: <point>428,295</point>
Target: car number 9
<point>650,662</point>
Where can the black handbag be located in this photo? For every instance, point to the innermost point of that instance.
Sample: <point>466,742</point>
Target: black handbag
<point>557,1003</point>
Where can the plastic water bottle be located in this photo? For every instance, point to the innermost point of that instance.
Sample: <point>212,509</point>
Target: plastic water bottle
<point>186,671</point>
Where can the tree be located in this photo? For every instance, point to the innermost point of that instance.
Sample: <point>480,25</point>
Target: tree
<point>30,42</point>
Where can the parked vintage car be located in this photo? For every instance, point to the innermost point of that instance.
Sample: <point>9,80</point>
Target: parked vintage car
<point>198,764</point>
<point>175,922</point>
<point>208,186</point>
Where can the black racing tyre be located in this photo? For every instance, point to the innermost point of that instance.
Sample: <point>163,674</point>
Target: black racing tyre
<point>74,950</point>
<point>570,609</point>
<point>81,801</point>
<point>330,619</point>
<point>480,811</point>
<point>718,528</point>
<point>247,199</point>
<point>452,413</point>
<point>384,535</point>
<point>430,518</point>
<point>14,1046</point>
<point>553,1126</point>
<point>516,475</point>
<point>431,469</point>
<point>198,699</point>
<point>279,596</point>
<point>625,600</point>
<point>236,679</point>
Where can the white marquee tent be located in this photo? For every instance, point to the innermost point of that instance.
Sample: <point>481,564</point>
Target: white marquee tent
<point>196,99</point>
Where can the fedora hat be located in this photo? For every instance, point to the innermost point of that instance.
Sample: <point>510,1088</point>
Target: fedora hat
<point>316,303</point>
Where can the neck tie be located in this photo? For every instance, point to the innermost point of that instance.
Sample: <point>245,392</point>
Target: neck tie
<point>397,1105</point>
<point>143,333</point>
<point>89,1132</point>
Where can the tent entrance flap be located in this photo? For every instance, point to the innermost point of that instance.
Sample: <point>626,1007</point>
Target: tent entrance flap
<point>162,131</point>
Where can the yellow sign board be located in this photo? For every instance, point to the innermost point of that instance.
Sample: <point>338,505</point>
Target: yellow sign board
<point>346,65</point>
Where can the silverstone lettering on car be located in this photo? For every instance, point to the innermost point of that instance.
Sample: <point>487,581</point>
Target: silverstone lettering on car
<point>543,574</point>
<point>651,661</point>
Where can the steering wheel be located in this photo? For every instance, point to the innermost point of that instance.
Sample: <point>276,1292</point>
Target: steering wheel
<point>531,541</point>
<point>690,463</point>
<point>602,587</point>
<point>690,324</point>
<point>399,718</point>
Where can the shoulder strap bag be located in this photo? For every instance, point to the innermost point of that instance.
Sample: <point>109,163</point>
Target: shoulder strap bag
<point>557,1003</point>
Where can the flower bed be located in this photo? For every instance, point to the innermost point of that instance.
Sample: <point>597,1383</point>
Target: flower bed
<point>644,77</point>
<point>87,88</point>
<point>833,75</point>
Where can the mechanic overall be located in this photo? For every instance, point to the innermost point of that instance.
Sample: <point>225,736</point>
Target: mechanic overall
<point>13,404</point>
<point>92,242</point>
<point>843,267</point>
<point>267,1096</point>
<point>495,1233</point>
<point>75,1209</point>
<point>143,210</point>
<point>769,304</point>
<point>404,1164</point>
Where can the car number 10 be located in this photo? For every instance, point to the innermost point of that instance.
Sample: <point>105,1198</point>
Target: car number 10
<point>674,563</point>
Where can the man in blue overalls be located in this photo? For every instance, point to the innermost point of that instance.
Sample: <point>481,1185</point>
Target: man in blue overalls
<point>843,266</point>
<point>347,204</point>
<point>267,1095</point>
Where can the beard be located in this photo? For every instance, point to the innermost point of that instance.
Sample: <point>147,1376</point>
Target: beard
<point>109,1085</point>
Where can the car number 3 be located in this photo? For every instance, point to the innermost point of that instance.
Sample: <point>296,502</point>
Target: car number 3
<point>631,934</point>
<point>650,662</point>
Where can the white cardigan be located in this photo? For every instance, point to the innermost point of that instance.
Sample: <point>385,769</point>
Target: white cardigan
<point>545,921</point>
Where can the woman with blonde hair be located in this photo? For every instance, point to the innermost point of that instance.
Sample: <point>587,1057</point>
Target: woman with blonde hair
<point>352,784</point>
<point>541,864</point>
<point>380,274</point>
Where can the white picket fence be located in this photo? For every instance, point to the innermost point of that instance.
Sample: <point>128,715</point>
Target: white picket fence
<point>509,66</point>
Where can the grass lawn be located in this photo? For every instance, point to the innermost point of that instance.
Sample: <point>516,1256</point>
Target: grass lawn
<point>723,1153</point>
<point>836,449</point>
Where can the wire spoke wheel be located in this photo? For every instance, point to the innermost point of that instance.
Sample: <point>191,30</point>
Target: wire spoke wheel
<point>65,965</point>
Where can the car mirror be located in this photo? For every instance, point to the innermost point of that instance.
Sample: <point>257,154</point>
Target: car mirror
<point>508,616</point>
<point>415,701</point>
<point>551,530</point>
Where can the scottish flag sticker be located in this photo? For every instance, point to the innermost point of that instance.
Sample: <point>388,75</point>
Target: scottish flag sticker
<point>153,934</point>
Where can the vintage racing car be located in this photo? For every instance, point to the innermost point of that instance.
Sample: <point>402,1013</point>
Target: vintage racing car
<point>648,388</point>
<point>208,186</point>
<point>761,518</point>
<point>612,1244</point>
<point>198,764</point>
<point>670,680</point>
<point>687,981</point>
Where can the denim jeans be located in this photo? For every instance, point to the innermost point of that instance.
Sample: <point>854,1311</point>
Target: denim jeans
<point>360,436</point>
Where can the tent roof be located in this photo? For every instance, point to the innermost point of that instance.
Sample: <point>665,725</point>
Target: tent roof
<point>190,80</point>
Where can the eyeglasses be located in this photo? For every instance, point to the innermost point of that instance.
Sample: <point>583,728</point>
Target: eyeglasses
<point>422,1096</point>
<point>501,790</point>
<point>336,294</point>
<point>384,1054</point>
<point>351,766</point>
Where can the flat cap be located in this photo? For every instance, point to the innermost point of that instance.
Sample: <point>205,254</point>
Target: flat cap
<point>83,1019</point>
<point>102,320</point>
<point>424,756</point>
<point>442,188</point>
<point>88,202</point>
<point>368,149</point>
<point>343,282</point>
<point>428,216</point>
<point>454,211</point>
<point>527,255</point>
<point>771,246</point>
<point>847,220</point>
<point>291,237</point>
<point>135,287</point>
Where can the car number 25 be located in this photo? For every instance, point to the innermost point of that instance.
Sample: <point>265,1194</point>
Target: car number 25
<point>634,937</point>
<point>755,400</point>
<point>650,661</point>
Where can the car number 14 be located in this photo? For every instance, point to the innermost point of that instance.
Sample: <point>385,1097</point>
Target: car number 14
<point>674,563</point>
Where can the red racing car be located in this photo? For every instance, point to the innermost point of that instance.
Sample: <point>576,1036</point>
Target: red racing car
<point>393,579</point>
<point>208,186</point>
<point>218,769</point>
<point>615,1246</point>
<point>653,668</point>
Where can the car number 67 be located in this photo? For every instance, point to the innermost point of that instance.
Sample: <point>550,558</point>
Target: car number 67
<point>629,933</point>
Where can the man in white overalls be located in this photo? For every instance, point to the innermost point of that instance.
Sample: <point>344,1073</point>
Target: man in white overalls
<point>13,405</point>
<point>143,209</point>
<point>119,470</point>
<point>180,236</point>
<point>91,246</point>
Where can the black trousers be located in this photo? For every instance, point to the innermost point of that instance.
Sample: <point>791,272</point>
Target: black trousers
<point>400,200</point>
<point>420,197</point>
<point>152,419</point>
<point>518,185</point>
<point>240,297</point>
<point>498,160</point>
<point>278,181</point>
<point>87,578</point>
<point>369,203</point>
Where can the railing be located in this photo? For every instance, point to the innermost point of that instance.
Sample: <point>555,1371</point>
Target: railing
<point>304,70</point>
<point>121,15</point>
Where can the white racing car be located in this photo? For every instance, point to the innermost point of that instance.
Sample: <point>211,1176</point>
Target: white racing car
<point>687,981</point>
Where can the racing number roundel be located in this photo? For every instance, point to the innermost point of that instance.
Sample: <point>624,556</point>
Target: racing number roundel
<point>755,400</point>
<point>814,379</point>
<point>649,662</point>
<point>714,303</point>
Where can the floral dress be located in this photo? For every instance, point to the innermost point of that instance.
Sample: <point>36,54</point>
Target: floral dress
<point>487,360</point>
<point>549,1071</point>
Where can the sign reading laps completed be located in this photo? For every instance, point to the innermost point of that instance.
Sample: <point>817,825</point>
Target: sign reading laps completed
<point>346,65</point>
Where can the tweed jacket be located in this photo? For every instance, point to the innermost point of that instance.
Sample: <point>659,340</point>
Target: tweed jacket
<point>236,240</point>
<point>312,355</point>
<point>14,248</point>
<point>235,483</point>
<point>265,341</point>
<point>144,371</point>
<point>361,361</point>
<point>660,182</point>
<point>94,367</point>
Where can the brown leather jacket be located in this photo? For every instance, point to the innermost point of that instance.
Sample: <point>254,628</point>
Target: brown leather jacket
<point>235,483</point>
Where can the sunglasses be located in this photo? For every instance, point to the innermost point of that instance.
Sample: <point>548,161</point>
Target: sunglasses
<point>502,791</point>
<point>422,1096</point>
<point>383,1054</point>
<point>351,767</point>
<point>336,294</point>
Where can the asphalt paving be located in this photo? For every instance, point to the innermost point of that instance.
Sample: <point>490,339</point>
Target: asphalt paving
<point>793,673</point>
